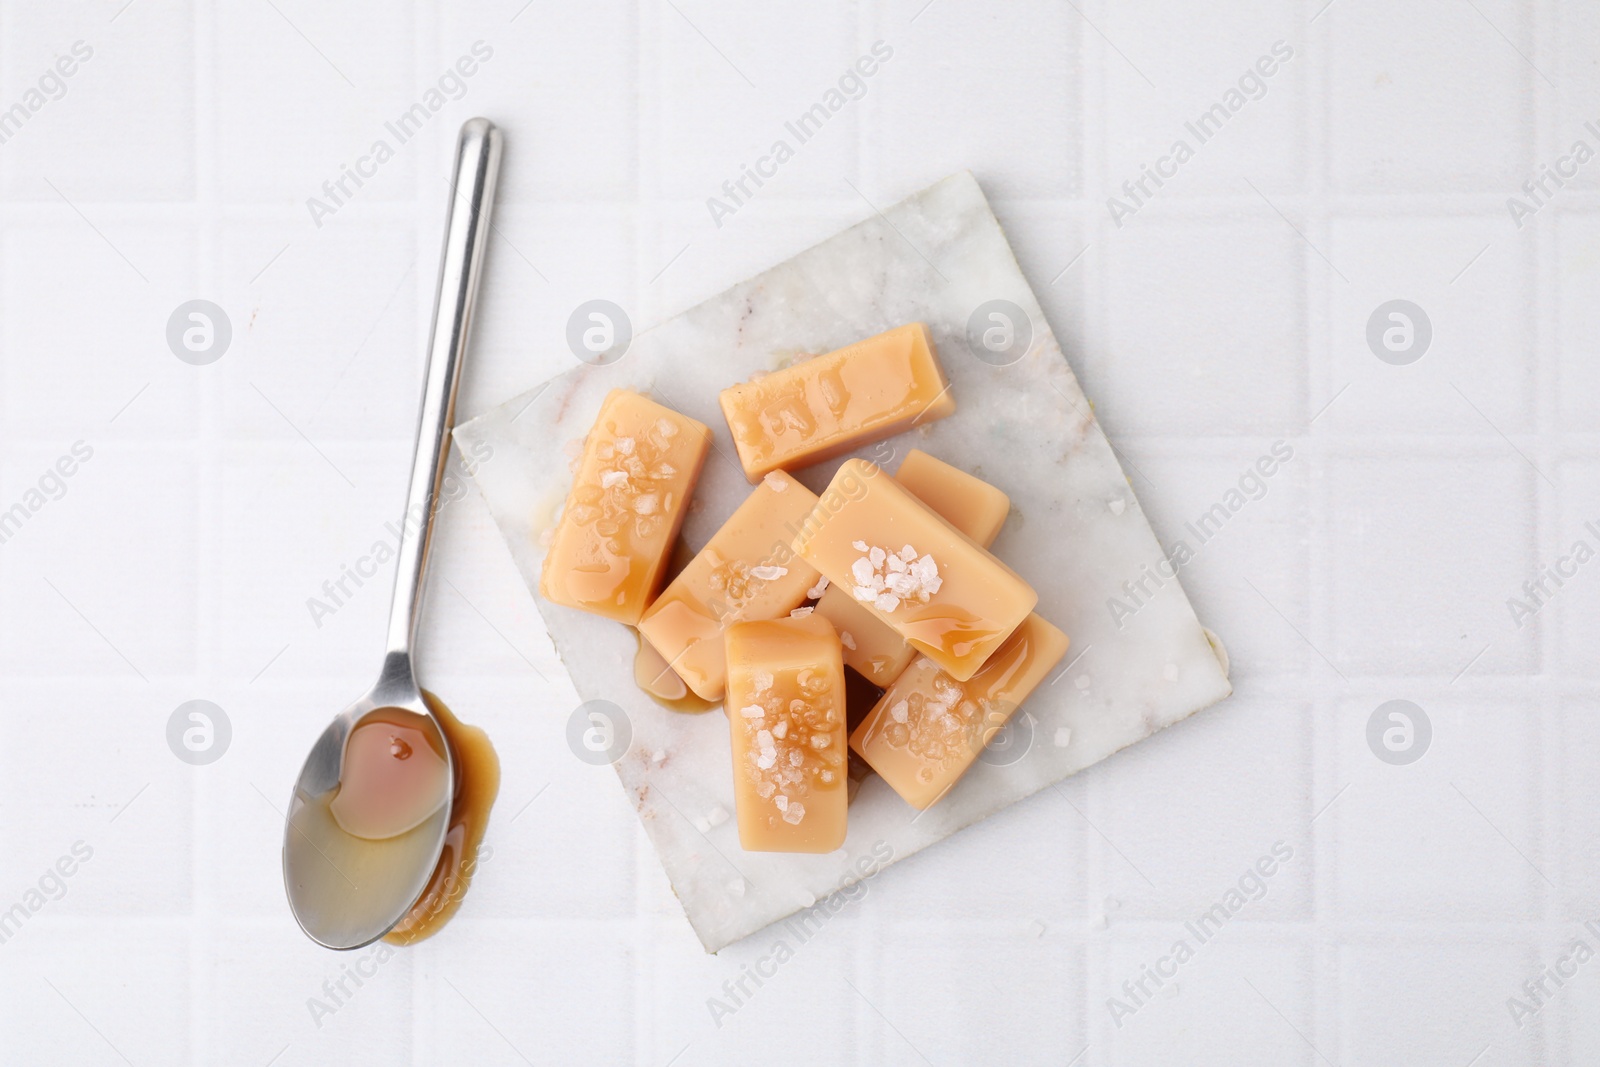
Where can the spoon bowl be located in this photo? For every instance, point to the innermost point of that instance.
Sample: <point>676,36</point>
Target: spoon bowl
<point>347,889</point>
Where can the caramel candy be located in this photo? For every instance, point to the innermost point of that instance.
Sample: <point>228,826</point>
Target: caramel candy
<point>970,504</point>
<point>949,598</point>
<point>928,728</point>
<point>965,501</point>
<point>786,717</point>
<point>747,571</point>
<point>827,405</point>
<point>628,499</point>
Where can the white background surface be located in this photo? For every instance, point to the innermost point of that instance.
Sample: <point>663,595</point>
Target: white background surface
<point>1229,313</point>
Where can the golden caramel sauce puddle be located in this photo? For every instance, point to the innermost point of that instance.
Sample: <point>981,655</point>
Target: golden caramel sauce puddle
<point>477,786</point>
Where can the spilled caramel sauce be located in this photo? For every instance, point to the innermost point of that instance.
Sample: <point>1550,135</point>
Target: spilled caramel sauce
<point>477,785</point>
<point>355,850</point>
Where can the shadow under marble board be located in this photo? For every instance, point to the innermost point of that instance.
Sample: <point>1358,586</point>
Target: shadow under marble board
<point>1076,533</point>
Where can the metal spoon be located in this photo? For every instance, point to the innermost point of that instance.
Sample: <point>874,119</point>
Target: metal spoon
<point>349,903</point>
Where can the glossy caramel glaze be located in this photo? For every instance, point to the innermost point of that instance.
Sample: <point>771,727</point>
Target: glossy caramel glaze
<point>477,785</point>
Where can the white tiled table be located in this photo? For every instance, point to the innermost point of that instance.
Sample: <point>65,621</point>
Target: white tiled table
<point>1229,313</point>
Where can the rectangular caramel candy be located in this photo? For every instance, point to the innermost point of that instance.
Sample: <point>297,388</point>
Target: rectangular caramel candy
<point>747,571</point>
<point>786,716</point>
<point>827,405</point>
<point>968,503</point>
<point>928,728</point>
<point>949,598</point>
<point>627,502</point>
<point>964,500</point>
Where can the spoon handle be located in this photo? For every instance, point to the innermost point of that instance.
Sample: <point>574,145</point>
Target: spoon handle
<point>471,201</point>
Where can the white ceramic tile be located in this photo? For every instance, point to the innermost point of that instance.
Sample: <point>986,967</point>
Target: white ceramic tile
<point>962,90</point>
<point>81,997</point>
<point>1225,353</point>
<point>1399,529</point>
<point>113,121</point>
<point>1470,278</point>
<point>1227,90</point>
<point>1455,836</point>
<point>1454,115</point>
<point>1234,991</point>
<point>1441,999</point>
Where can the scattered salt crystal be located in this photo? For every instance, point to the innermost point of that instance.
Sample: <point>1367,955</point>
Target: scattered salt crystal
<point>781,801</point>
<point>862,571</point>
<point>611,478</point>
<point>717,815</point>
<point>762,680</point>
<point>624,445</point>
<point>766,760</point>
<point>752,711</point>
<point>817,590</point>
<point>907,553</point>
<point>865,592</point>
<point>1118,506</point>
<point>800,613</point>
<point>886,602</point>
<point>859,546</point>
<point>647,503</point>
<point>795,813</point>
<point>898,710</point>
<point>775,481</point>
<point>768,573</point>
<point>701,824</point>
<point>1081,681</point>
<point>1063,737</point>
<point>764,741</point>
<point>547,537</point>
<point>781,730</point>
<point>795,758</point>
<point>876,555</point>
<point>666,428</point>
<point>847,639</point>
<point>900,584</point>
<point>658,756</point>
<point>896,564</point>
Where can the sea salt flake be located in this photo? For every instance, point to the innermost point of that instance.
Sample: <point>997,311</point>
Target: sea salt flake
<point>817,590</point>
<point>624,446</point>
<point>865,592</point>
<point>775,481</point>
<point>666,428</point>
<point>768,573</point>
<point>847,639</point>
<point>876,555</point>
<point>781,730</point>
<point>907,553</point>
<point>762,680</point>
<point>795,813</point>
<point>862,571</point>
<point>859,546</point>
<point>899,710</point>
<point>800,613</point>
<point>612,478</point>
<point>766,760</point>
<point>752,711</point>
<point>886,602</point>
<point>1063,737</point>
<point>717,815</point>
<point>781,801</point>
<point>658,756</point>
